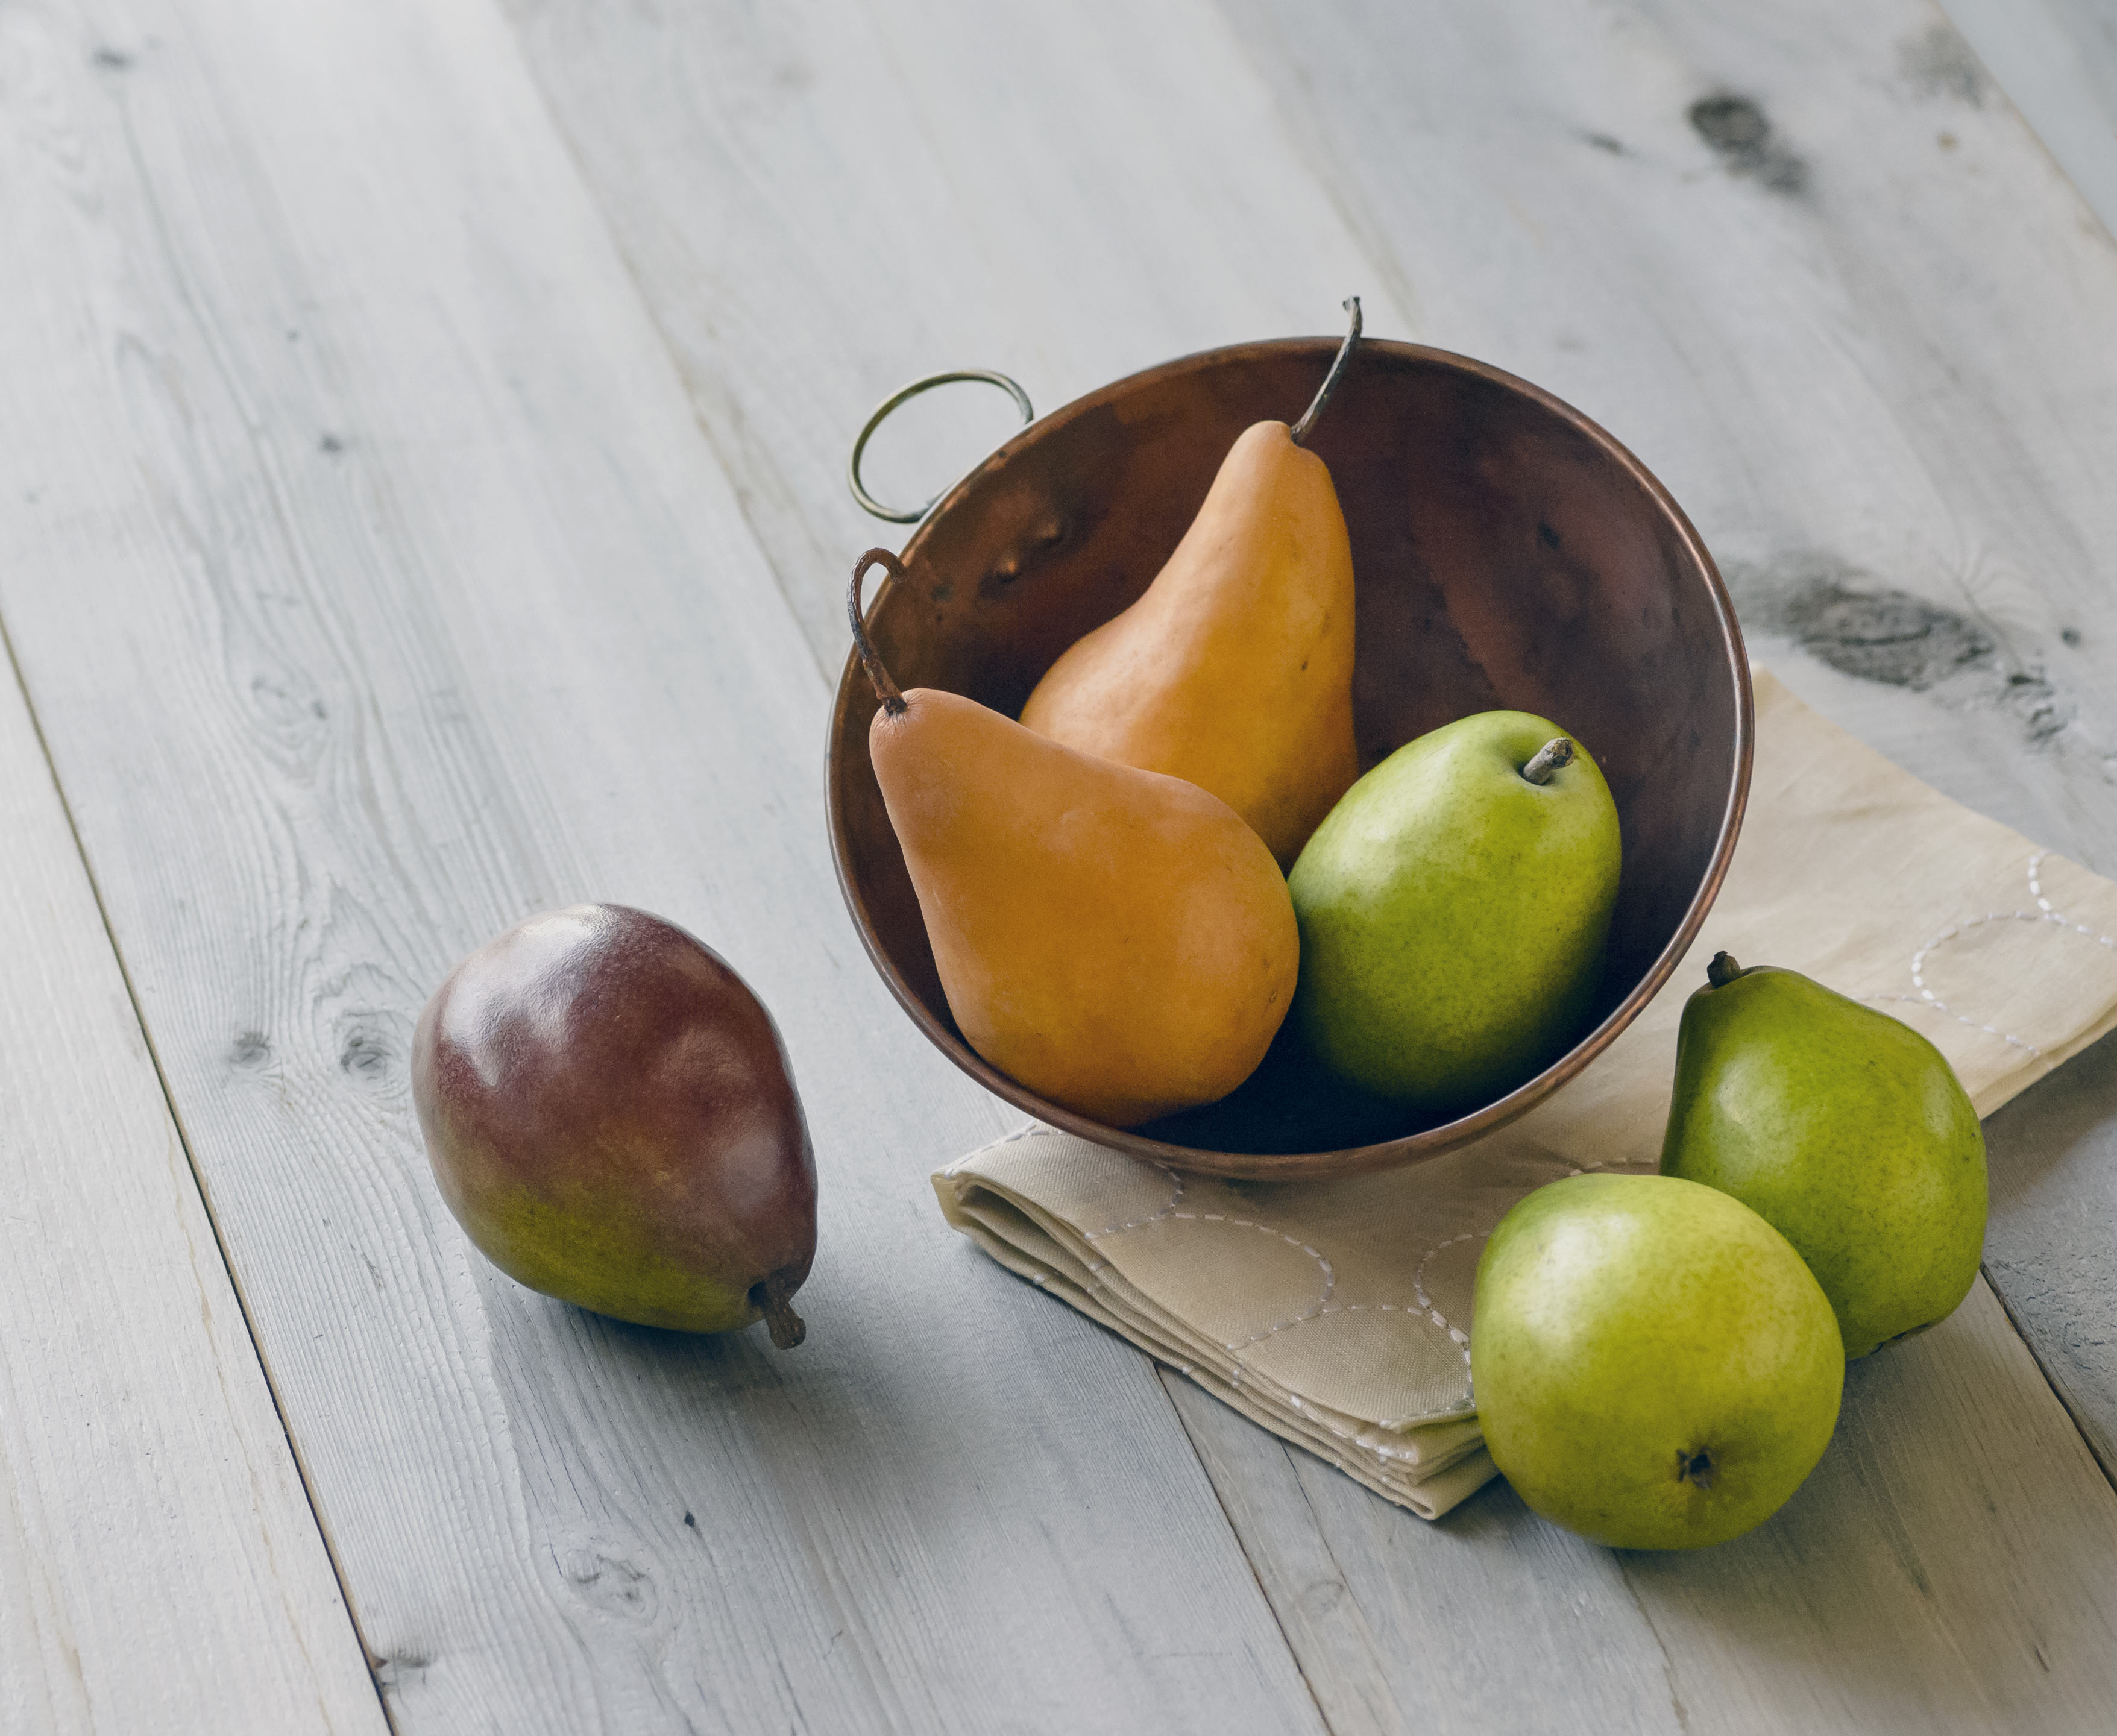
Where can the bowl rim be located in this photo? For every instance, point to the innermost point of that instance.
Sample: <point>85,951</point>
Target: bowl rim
<point>1429,1143</point>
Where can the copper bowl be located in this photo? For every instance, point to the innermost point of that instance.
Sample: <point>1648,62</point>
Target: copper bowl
<point>1508,553</point>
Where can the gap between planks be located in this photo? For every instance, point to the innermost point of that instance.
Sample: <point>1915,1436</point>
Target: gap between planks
<point>990,203</point>
<point>140,1603</point>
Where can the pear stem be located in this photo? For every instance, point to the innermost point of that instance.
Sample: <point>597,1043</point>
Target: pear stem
<point>786,1327</point>
<point>885,690</point>
<point>1303,428</point>
<point>1554,753</point>
<point>1722,970</point>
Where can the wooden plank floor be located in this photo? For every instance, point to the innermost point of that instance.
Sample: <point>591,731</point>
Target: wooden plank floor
<point>159,1566</point>
<point>402,597</point>
<point>1946,1567</point>
<point>425,505</point>
<point>2057,60</point>
<point>1525,182</point>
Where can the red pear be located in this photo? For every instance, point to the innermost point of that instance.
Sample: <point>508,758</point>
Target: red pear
<point>611,1118</point>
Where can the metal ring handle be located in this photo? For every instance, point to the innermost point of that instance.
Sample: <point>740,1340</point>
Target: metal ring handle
<point>896,516</point>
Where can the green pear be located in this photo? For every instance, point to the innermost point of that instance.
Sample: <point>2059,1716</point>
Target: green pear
<point>1654,1367</point>
<point>1846,1129</point>
<point>1453,910</point>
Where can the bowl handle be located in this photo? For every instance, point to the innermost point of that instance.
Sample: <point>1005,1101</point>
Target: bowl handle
<point>900,515</point>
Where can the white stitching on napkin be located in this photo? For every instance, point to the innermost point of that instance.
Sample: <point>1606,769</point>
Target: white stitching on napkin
<point>1331,1308</point>
<point>1960,1018</point>
<point>2044,904</point>
<point>2042,913</point>
<point>1167,1210</point>
<point>1322,1304</point>
<point>1425,1302</point>
<point>1424,1311</point>
<point>1933,1001</point>
<point>1292,1320</point>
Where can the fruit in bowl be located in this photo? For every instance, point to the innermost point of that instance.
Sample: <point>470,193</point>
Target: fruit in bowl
<point>1453,909</point>
<point>1506,553</point>
<point>1234,671</point>
<point>1103,937</point>
<point>1117,940</point>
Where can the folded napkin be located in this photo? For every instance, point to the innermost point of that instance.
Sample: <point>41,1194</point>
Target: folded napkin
<point>1337,1314</point>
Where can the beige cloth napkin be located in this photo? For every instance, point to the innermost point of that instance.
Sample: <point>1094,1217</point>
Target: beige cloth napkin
<point>1337,1314</point>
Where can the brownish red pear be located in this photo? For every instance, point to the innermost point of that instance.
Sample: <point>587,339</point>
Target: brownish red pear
<point>611,1118</point>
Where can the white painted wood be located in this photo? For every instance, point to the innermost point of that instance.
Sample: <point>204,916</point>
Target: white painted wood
<point>2050,1253</point>
<point>375,585</point>
<point>821,202</point>
<point>1875,355</point>
<point>1947,1568</point>
<point>1957,1498</point>
<point>2056,60</point>
<point>1896,379</point>
<point>1878,350</point>
<point>1488,1620</point>
<point>159,1566</point>
<point>462,512</point>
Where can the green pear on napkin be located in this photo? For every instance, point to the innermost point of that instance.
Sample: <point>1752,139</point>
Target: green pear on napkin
<point>1849,869</point>
<point>1845,1130</point>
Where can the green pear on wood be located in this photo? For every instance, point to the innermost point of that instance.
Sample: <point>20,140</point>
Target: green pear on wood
<point>1655,1368</point>
<point>1454,909</point>
<point>1846,1130</point>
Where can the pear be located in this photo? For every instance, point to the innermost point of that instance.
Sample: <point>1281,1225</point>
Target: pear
<point>1234,669</point>
<point>1655,1368</point>
<point>1453,910</point>
<point>610,1116</point>
<point>1844,1129</point>
<point>1117,941</point>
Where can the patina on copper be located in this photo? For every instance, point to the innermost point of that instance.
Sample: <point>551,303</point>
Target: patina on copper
<point>1507,551</point>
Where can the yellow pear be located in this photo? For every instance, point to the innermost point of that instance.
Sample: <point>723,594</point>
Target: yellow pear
<point>1234,669</point>
<point>1117,941</point>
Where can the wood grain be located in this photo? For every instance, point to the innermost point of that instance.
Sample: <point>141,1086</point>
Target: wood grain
<point>1870,348</point>
<point>1489,1620</point>
<point>1947,1566</point>
<point>2050,1253</point>
<point>821,202</point>
<point>1849,310</point>
<point>374,586</point>
<point>2056,60</point>
<point>1876,389</point>
<point>159,1566</point>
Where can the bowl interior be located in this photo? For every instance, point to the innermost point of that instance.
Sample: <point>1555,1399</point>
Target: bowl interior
<point>1507,553</point>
